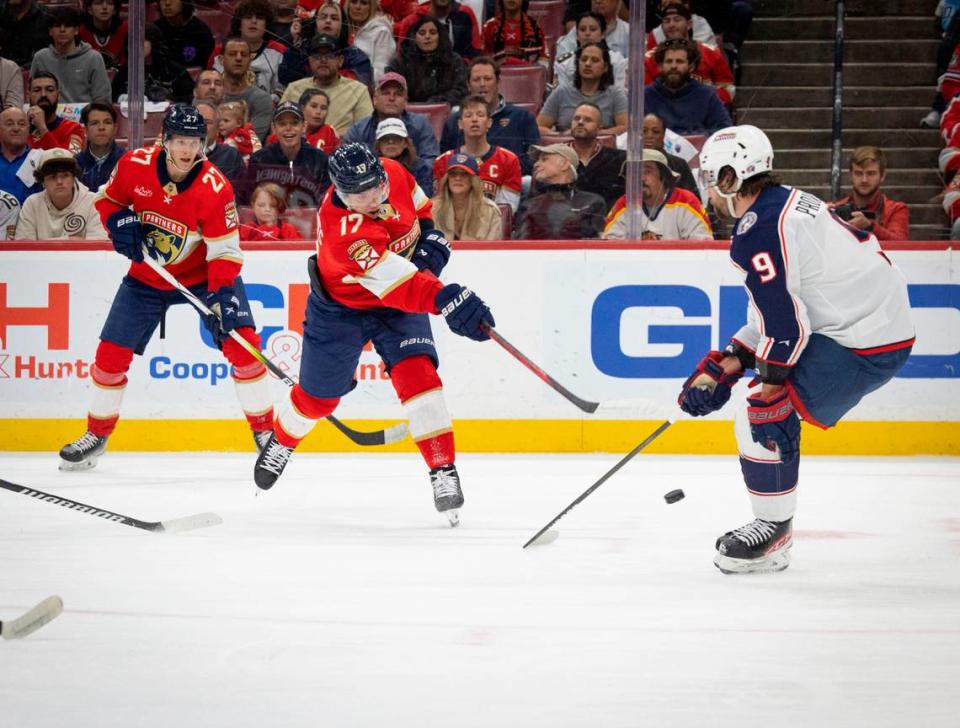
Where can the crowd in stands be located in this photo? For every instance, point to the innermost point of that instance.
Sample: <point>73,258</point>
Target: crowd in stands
<point>512,119</point>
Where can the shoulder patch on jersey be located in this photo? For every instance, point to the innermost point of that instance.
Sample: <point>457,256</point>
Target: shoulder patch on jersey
<point>746,222</point>
<point>363,254</point>
<point>230,215</point>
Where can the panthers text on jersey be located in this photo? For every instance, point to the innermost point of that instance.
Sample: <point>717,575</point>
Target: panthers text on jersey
<point>364,260</point>
<point>192,225</point>
<point>806,271</point>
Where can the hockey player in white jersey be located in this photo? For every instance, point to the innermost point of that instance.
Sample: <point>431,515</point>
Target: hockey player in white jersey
<point>828,322</point>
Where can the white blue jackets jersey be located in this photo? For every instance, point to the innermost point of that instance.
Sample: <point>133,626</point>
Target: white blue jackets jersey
<point>806,271</point>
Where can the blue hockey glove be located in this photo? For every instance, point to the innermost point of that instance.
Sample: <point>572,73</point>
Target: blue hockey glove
<point>227,314</point>
<point>708,388</point>
<point>432,253</point>
<point>126,233</point>
<point>465,312</point>
<point>774,423</point>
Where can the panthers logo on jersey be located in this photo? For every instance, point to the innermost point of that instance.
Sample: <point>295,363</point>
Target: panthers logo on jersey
<point>168,237</point>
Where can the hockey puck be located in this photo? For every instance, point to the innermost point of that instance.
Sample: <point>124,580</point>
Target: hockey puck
<point>673,496</point>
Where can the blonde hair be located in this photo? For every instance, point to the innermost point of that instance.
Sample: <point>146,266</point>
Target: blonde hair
<point>866,154</point>
<point>443,213</point>
<point>374,11</point>
<point>274,191</point>
<point>233,107</point>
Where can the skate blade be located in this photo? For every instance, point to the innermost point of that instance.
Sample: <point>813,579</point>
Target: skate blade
<point>453,515</point>
<point>769,564</point>
<point>68,466</point>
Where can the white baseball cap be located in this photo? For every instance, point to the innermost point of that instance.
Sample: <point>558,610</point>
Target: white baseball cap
<point>392,127</point>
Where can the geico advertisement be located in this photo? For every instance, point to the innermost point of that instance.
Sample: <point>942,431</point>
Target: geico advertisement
<point>622,327</point>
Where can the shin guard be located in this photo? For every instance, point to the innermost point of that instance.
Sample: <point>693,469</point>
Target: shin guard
<point>421,392</point>
<point>297,415</point>
<point>772,484</point>
<point>109,376</point>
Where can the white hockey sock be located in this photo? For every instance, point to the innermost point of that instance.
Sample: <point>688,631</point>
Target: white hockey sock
<point>428,415</point>
<point>254,396</point>
<point>108,389</point>
<point>291,421</point>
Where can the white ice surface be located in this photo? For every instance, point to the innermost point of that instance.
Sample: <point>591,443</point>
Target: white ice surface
<point>341,599</point>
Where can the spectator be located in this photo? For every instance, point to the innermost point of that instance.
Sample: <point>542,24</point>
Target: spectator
<point>593,83</point>
<point>297,167</point>
<point>390,102</point>
<point>601,168</point>
<point>393,142</point>
<point>189,39</point>
<point>25,23</point>
<point>81,68</point>
<point>17,163</point>
<point>701,29</point>
<point>513,38</point>
<point>435,73</point>
<point>685,105</point>
<point>64,209</point>
<point>284,15</point>
<point>669,212</point>
<point>867,208</point>
<point>458,23</point>
<point>461,211</point>
<point>498,168</point>
<point>11,82</point>
<point>316,105</point>
<point>558,210</point>
<point>163,78</point>
<point>235,129</point>
<point>372,32</point>
<point>589,29</point>
<point>712,68</point>
<point>209,86</point>
<point>330,19</point>
<point>513,128</point>
<point>97,161</point>
<point>239,84</point>
<point>105,31</point>
<point>616,33</point>
<point>47,130</point>
<point>349,99</point>
<point>269,202</point>
<point>654,135</point>
<point>250,22</point>
<point>226,159</point>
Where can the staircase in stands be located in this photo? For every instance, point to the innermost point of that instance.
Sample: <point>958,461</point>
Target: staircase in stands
<point>889,82</point>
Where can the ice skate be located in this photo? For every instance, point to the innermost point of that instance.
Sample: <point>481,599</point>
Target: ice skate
<point>758,547</point>
<point>447,496</point>
<point>82,453</point>
<point>261,438</point>
<point>271,462</point>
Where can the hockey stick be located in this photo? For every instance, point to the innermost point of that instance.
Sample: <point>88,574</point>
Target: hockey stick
<point>523,359</point>
<point>394,433</point>
<point>552,535</point>
<point>187,523</point>
<point>46,611</point>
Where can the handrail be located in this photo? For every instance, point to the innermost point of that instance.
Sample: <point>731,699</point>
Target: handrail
<point>837,137</point>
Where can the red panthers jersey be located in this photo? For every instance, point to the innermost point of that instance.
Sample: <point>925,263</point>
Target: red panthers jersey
<point>192,224</point>
<point>499,172</point>
<point>364,260</point>
<point>64,133</point>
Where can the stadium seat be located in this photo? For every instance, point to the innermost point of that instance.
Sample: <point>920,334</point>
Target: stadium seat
<point>556,5</point>
<point>523,83</point>
<point>436,114</point>
<point>194,71</point>
<point>546,139</point>
<point>608,140</point>
<point>304,219</point>
<point>152,124</point>
<point>218,20</point>
<point>506,220</point>
<point>532,106</point>
<point>549,19</point>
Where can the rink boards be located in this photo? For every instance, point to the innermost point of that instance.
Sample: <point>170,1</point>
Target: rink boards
<point>620,324</point>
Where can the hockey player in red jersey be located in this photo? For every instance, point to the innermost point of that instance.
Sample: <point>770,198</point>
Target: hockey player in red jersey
<point>170,199</point>
<point>374,279</point>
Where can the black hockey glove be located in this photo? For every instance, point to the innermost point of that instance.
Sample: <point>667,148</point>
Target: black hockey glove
<point>227,314</point>
<point>432,253</point>
<point>708,388</point>
<point>465,312</point>
<point>774,422</point>
<point>126,234</point>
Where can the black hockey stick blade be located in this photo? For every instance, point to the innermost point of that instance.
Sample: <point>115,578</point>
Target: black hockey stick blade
<point>583,404</point>
<point>606,476</point>
<point>394,433</point>
<point>46,611</point>
<point>174,525</point>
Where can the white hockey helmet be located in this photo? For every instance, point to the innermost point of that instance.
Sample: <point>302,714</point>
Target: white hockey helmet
<point>745,149</point>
